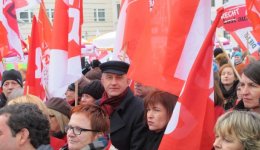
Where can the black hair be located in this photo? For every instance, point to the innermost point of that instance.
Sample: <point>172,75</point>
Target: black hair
<point>252,71</point>
<point>30,117</point>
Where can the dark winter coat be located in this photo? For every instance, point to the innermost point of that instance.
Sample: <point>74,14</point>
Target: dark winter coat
<point>127,127</point>
<point>3,100</point>
<point>153,140</point>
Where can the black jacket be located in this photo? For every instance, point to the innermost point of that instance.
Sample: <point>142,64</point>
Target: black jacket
<point>3,100</point>
<point>153,140</point>
<point>127,127</point>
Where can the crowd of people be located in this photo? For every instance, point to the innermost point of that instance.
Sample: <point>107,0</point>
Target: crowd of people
<point>101,111</point>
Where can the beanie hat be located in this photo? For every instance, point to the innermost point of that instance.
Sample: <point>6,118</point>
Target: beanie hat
<point>71,87</point>
<point>12,75</point>
<point>60,105</point>
<point>217,51</point>
<point>238,54</point>
<point>94,89</point>
<point>95,63</point>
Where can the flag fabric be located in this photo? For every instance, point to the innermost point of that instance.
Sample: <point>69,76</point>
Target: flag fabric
<point>65,64</point>
<point>9,21</point>
<point>130,27</point>
<point>45,33</point>
<point>246,40</point>
<point>3,41</point>
<point>192,123</point>
<point>235,21</point>
<point>234,17</point>
<point>168,48</point>
<point>253,13</point>
<point>34,67</point>
<point>21,5</point>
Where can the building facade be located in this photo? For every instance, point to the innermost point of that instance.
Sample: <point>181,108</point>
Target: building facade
<point>100,16</point>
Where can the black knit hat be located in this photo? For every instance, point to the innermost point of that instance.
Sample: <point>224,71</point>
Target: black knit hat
<point>71,87</point>
<point>94,89</point>
<point>217,51</point>
<point>12,75</point>
<point>60,105</point>
<point>95,63</point>
<point>116,67</point>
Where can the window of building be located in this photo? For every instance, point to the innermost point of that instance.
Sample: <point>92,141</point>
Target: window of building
<point>25,16</point>
<point>212,3</point>
<point>118,10</point>
<point>225,1</point>
<point>226,35</point>
<point>50,14</point>
<point>99,15</point>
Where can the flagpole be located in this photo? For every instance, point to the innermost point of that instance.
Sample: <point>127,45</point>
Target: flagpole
<point>229,61</point>
<point>76,92</point>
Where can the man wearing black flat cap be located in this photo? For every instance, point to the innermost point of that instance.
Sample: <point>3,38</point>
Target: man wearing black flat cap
<point>127,129</point>
<point>12,79</point>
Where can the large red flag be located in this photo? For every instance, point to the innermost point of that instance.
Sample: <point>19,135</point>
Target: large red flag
<point>131,23</point>
<point>45,33</point>
<point>9,21</point>
<point>172,38</point>
<point>191,125</point>
<point>65,63</point>
<point>34,71</point>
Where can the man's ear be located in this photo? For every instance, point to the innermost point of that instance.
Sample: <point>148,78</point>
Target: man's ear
<point>23,136</point>
<point>129,81</point>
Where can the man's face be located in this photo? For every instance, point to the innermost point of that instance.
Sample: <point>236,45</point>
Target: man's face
<point>7,140</point>
<point>114,84</point>
<point>9,86</point>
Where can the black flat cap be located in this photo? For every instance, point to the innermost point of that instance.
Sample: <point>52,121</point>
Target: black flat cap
<point>116,67</point>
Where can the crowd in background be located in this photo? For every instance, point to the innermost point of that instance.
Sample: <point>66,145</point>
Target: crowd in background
<point>101,111</point>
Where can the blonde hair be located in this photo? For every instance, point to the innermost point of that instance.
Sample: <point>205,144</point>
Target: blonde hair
<point>30,99</point>
<point>243,125</point>
<point>62,119</point>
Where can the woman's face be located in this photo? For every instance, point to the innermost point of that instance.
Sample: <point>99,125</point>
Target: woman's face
<point>227,143</point>
<point>70,95</point>
<point>86,99</point>
<point>239,93</point>
<point>54,125</point>
<point>250,92</point>
<point>227,76</point>
<point>157,117</point>
<point>79,121</point>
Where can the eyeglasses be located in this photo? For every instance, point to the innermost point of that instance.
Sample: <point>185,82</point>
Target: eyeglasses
<point>78,130</point>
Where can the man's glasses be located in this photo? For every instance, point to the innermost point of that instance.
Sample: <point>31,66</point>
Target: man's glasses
<point>78,130</point>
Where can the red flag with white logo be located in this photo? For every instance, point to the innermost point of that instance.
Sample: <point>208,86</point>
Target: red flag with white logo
<point>34,71</point>
<point>192,122</point>
<point>9,21</point>
<point>170,44</point>
<point>131,24</point>
<point>65,63</point>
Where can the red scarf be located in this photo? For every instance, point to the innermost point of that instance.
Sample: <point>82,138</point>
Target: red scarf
<point>110,104</point>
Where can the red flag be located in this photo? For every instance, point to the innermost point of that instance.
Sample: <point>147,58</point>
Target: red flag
<point>191,125</point>
<point>33,75</point>
<point>253,13</point>
<point>45,36</point>
<point>21,5</point>
<point>170,44</point>
<point>3,41</point>
<point>130,27</point>
<point>9,21</point>
<point>65,63</point>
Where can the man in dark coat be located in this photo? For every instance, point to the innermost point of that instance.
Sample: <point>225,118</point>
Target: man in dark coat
<point>127,128</point>
<point>12,79</point>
